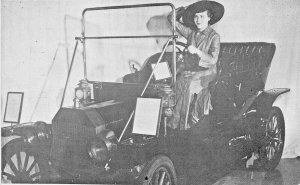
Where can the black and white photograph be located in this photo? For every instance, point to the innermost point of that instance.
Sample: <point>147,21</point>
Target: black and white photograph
<point>150,92</point>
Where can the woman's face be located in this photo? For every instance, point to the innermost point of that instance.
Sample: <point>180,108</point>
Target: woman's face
<point>201,20</point>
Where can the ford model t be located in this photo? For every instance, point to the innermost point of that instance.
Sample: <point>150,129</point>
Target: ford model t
<point>117,132</point>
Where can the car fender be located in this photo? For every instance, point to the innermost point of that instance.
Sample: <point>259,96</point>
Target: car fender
<point>37,134</point>
<point>264,101</point>
<point>6,140</point>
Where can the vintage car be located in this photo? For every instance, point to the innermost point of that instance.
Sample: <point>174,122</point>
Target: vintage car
<point>99,140</point>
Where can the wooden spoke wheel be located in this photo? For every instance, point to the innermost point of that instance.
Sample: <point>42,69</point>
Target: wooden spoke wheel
<point>20,164</point>
<point>159,171</point>
<point>161,177</point>
<point>270,153</point>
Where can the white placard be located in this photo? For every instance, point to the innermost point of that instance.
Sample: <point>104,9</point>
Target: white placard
<point>162,71</point>
<point>13,107</point>
<point>147,116</point>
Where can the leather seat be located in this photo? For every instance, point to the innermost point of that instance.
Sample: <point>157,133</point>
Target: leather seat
<point>242,71</point>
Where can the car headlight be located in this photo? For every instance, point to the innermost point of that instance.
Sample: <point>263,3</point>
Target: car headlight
<point>101,147</point>
<point>30,136</point>
<point>98,150</point>
<point>42,130</point>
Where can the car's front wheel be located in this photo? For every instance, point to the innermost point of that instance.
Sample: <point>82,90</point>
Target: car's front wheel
<point>159,171</point>
<point>20,164</point>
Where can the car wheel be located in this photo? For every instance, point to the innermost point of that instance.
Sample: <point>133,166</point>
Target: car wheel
<point>159,171</point>
<point>20,164</point>
<point>270,153</point>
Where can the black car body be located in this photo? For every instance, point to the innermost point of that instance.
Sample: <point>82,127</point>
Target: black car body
<point>91,142</point>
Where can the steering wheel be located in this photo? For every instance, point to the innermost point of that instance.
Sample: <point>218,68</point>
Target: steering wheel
<point>185,60</point>
<point>185,46</point>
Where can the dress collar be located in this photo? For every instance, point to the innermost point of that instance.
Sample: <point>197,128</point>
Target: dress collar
<point>206,31</point>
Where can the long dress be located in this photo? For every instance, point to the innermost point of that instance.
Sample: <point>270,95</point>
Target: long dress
<point>190,83</point>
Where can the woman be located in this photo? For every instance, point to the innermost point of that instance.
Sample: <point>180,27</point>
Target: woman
<point>203,42</point>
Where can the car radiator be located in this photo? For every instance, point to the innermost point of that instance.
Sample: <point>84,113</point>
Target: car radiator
<point>71,132</point>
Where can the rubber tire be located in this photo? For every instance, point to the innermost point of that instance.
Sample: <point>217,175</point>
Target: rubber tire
<point>157,162</point>
<point>271,165</point>
<point>15,146</point>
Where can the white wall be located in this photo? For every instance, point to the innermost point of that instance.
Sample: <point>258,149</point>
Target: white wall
<point>34,32</point>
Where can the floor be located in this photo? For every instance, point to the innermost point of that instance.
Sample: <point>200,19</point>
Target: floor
<point>286,173</point>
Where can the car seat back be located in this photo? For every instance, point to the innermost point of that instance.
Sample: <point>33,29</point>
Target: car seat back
<point>242,72</point>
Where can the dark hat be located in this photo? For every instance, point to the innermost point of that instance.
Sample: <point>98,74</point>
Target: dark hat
<point>216,9</point>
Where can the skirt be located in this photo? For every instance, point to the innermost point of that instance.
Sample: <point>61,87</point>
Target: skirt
<point>189,84</point>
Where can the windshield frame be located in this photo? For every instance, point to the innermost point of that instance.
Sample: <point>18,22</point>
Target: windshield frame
<point>83,38</point>
<point>171,37</point>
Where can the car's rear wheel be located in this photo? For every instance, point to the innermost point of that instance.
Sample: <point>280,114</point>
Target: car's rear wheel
<point>159,171</point>
<point>270,153</point>
<point>20,164</point>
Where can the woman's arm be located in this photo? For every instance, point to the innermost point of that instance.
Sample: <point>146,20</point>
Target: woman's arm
<point>208,59</point>
<point>180,28</point>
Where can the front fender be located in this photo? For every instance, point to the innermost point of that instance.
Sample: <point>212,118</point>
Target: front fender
<point>6,140</point>
<point>264,101</point>
<point>37,134</point>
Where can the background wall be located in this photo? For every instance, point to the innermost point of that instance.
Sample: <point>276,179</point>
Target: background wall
<point>38,40</point>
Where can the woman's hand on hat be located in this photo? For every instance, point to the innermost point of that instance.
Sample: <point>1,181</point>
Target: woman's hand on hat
<point>193,50</point>
<point>179,12</point>
<point>180,9</point>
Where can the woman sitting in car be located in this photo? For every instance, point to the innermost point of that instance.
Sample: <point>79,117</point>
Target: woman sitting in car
<point>194,23</point>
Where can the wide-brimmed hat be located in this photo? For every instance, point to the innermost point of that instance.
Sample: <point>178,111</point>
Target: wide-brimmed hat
<point>216,9</point>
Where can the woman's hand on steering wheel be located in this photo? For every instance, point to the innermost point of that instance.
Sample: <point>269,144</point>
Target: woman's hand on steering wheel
<point>193,50</point>
<point>178,43</point>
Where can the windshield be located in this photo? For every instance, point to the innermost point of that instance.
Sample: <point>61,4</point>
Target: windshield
<point>110,59</point>
<point>118,41</point>
<point>116,58</point>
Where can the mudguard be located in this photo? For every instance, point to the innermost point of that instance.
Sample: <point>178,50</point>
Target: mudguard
<point>7,139</point>
<point>37,134</point>
<point>264,101</point>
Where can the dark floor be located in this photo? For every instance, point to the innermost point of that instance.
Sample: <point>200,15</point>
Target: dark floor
<point>286,173</point>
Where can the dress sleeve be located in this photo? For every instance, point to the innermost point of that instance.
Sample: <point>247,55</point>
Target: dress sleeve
<point>180,28</point>
<point>210,59</point>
